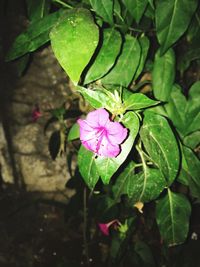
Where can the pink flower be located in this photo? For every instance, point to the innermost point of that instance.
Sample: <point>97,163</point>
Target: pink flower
<point>101,135</point>
<point>36,114</point>
<point>104,227</point>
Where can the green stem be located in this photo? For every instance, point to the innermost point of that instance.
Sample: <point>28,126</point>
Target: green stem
<point>63,3</point>
<point>144,165</point>
<point>85,243</point>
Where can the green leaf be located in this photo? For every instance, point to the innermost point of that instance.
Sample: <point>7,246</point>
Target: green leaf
<point>73,132</point>
<point>37,9</point>
<point>193,109</point>
<point>106,57</point>
<point>108,166</point>
<point>163,74</point>
<point>172,20</point>
<point>74,40</point>
<point>138,101</point>
<point>87,167</point>
<point>144,44</point>
<point>172,216</point>
<point>136,8</point>
<point>176,108</point>
<point>35,36</point>
<point>141,187</point>
<point>104,8</point>
<point>128,61</point>
<point>96,98</point>
<point>189,174</point>
<point>161,144</point>
<point>192,140</point>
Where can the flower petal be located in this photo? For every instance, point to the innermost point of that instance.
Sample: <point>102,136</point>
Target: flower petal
<point>104,228</point>
<point>98,117</point>
<point>86,131</point>
<point>106,149</point>
<point>116,133</point>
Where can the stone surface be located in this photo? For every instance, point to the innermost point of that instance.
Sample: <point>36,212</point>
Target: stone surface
<point>45,85</point>
<point>5,163</point>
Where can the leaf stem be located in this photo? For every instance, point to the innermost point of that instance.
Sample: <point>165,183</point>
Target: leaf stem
<point>63,3</point>
<point>144,165</point>
<point>85,243</point>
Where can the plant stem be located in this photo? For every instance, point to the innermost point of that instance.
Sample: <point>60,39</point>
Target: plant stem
<point>85,243</point>
<point>63,3</point>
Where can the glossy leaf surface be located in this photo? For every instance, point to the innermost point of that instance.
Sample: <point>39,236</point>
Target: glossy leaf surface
<point>128,61</point>
<point>74,40</point>
<point>163,74</point>
<point>161,144</point>
<point>172,216</point>
<point>87,167</point>
<point>172,20</point>
<point>106,57</point>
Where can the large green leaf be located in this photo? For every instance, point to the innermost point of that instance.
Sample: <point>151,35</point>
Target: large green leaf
<point>37,9</point>
<point>163,74</point>
<point>141,187</point>
<point>74,40</point>
<point>104,8</point>
<point>107,55</point>
<point>128,61</point>
<point>108,166</point>
<point>136,8</point>
<point>144,44</point>
<point>176,108</point>
<point>193,109</point>
<point>190,172</point>
<point>35,36</point>
<point>172,20</point>
<point>172,216</point>
<point>161,144</point>
<point>87,167</point>
<point>138,101</point>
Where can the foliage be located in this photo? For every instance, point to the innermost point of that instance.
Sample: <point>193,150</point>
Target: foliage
<point>107,48</point>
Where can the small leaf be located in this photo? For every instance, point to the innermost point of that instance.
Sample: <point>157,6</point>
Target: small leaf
<point>96,98</point>
<point>141,187</point>
<point>136,8</point>
<point>176,108</point>
<point>172,216</point>
<point>54,144</point>
<point>108,166</point>
<point>87,167</point>
<point>163,74</point>
<point>138,101</point>
<point>144,44</point>
<point>193,109</point>
<point>161,144</point>
<point>128,61</point>
<point>189,174</point>
<point>73,132</point>
<point>35,36</point>
<point>106,57</point>
<point>74,40</point>
<point>172,20</point>
<point>104,8</point>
